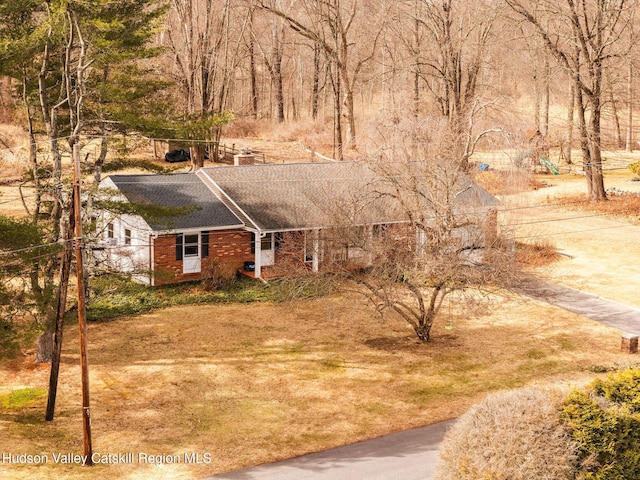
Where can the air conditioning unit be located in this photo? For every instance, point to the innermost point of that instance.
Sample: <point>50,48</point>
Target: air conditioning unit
<point>111,241</point>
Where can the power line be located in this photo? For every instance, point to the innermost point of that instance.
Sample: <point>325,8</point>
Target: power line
<point>561,219</point>
<point>18,199</point>
<point>98,245</point>
<point>571,232</point>
<point>97,242</point>
<point>33,247</point>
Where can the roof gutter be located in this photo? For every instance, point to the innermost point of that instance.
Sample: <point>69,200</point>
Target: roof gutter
<point>194,229</point>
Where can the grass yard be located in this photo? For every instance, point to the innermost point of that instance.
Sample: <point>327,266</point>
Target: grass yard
<point>252,383</point>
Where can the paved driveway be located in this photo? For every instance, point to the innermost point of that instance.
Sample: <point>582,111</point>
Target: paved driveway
<point>588,305</point>
<point>409,455</point>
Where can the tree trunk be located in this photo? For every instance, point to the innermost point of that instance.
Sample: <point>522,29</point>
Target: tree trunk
<point>279,94</point>
<point>597,191</point>
<point>197,153</point>
<point>629,139</point>
<point>536,99</point>
<point>584,136</point>
<point>63,287</point>
<point>253,75</point>
<point>337,141</point>
<point>572,102</point>
<point>276,72</point>
<point>33,154</point>
<point>104,149</point>
<point>349,116</point>
<point>44,348</point>
<point>416,72</point>
<point>547,96</point>
<point>616,120</point>
<point>423,332</point>
<point>315,91</point>
<point>50,117</point>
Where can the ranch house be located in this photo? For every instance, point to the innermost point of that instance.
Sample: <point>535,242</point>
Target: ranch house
<point>261,220</point>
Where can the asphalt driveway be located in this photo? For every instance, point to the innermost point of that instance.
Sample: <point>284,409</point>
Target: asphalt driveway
<point>408,455</point>
<point>588,305</point>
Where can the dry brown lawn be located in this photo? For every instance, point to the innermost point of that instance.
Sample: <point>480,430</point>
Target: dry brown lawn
<point>598,241</point>
<point>249,384</point>
<point>253,383</point>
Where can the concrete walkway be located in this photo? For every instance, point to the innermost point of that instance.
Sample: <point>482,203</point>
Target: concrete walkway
<point>588,305</point>
<point>408,455</point>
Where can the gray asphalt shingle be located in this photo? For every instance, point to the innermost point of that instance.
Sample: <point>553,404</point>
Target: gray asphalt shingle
<point>306,195</point>
<point>292,196</point>
<point>176,190</point>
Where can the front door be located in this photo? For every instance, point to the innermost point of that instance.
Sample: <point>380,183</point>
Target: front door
<point>191,253</point>
<point>267,251</point>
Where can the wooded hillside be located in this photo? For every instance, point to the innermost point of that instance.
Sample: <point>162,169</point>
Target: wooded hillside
<point>485,66</point>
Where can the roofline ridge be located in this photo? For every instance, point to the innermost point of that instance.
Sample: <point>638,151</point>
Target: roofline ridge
<point>203,228</point>
<point>148,174</point>
<point>227,198</point>
<point>343,162</point>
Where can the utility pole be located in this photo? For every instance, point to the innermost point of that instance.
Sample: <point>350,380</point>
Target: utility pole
<point>82,308</point>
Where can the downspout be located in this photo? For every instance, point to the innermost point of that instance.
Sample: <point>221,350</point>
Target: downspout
<point>152,244</point>
<point>257,254</point>
<point>316,251</point>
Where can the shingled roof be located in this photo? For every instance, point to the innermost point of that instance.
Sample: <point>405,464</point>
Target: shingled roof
<point>176,190</point>
<point>279,197</point>
<point>291,196</point>
<point>305,195</point>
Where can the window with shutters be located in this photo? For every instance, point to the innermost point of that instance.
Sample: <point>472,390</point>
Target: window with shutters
<point>191,245</point>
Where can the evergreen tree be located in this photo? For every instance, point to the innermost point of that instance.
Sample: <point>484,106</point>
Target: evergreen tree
<point>84,70</point>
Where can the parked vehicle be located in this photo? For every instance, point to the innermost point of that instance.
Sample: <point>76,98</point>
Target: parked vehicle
<point>179,155</point>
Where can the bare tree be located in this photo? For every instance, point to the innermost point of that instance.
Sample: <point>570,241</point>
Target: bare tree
<point>631,60</point>
<point>332,25</point>
<point>253,75</point>
<point>582,36</point>
<point>629,130</point>
<point>273,61</point>
<point>461,37</point>
<point>449,243</point>
<point>205,40</point>
<point>447,52</point>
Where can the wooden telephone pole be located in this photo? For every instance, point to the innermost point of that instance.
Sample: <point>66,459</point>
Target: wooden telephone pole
<point>82,308</point>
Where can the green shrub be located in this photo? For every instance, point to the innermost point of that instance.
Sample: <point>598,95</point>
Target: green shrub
<point>605,422</point>
<point>593,435</point>
<point>634,167</point>
<point>513,435</point>
<point>115,296</point>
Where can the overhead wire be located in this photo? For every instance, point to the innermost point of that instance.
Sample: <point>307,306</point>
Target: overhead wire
<point>474,213</point>
<point>99,245</point>
<point>35,247</point>
<point>509,209</point>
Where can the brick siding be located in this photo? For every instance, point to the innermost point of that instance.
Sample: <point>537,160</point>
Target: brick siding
<point>231,248</point>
